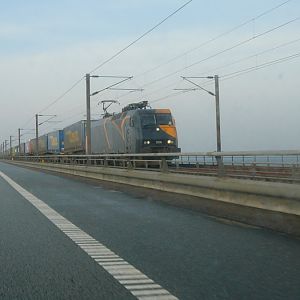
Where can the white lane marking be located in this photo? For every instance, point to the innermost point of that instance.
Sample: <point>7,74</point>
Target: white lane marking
<point>162,297</point>
<point>110,259</point>
<point>144,286</point>
<point>112,263</point>
<point>139,276</point>
<point>137,283</point>
<point>149,292</point>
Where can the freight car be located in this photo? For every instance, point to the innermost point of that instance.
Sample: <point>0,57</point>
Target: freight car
<point>43,144</point>
<point>56,142</point>
<point>75,138</point>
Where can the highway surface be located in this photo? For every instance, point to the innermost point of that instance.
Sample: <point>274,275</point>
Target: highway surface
<point>63,238</point>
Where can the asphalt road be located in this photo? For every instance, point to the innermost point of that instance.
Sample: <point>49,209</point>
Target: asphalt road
<point>191,255</point>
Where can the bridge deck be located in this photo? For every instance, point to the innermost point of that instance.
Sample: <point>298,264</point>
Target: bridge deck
<point>188,254</point>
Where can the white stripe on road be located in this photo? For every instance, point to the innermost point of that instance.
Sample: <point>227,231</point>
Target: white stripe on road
<point>141,286</point>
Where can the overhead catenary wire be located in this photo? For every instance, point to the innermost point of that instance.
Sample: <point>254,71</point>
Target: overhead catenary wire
<point>140,37</point>
<point>216,37</point>
<point>112,57</point>
<point>171,95</point>
<point>27,122</point>
<point>56,100</point>
<point>212,40</point>
<point>227,65</point>
<point>222,77</point>
<point>236,74</point>
<point>224,66</point>
<point>261,66</point>
<point>62,95</point>
<point>222,51</point>
<point>256,55</point>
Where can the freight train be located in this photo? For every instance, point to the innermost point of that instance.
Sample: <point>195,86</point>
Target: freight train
<point>137,129</point>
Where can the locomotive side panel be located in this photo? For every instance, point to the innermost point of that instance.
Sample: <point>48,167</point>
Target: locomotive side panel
<point>134,133</point>
<point>109,135</point>
<point>99,144</point>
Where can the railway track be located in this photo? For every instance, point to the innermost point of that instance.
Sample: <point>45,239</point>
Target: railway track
<point>280,174</point>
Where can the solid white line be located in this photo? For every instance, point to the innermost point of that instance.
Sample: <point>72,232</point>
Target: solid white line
<point>120,270</point>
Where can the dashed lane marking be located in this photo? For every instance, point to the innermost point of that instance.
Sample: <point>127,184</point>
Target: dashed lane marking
<point>137,283</point>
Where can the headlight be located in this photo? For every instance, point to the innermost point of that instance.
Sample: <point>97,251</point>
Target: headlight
<point>157,129</point>
<point>146,142</point>
<point>170,142</point>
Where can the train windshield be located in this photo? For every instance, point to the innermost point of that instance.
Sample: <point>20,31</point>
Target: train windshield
<point>164,119</point>
<point>148,120</point>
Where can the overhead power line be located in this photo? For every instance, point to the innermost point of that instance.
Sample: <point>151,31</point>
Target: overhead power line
<point>261,66</point>
<point>195,63</point>
<point>62,95</point>
<point>171,95</point>
<point>235,74</point>
<point>111,58</point>
<point>212,40</point>
<point>222,51</point>
<point>223,66</point>
<point>251,56</point>
<point>140,37</point>
<point>27,122</point>
<point>215,38</point>
<point>161,22</point>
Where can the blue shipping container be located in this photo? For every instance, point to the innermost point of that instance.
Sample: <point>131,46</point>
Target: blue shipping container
<point>56,142</point>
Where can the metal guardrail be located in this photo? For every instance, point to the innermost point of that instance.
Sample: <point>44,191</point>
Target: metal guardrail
<point>260,165</point>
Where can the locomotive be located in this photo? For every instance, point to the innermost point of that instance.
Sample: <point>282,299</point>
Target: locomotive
<point>137,129</point>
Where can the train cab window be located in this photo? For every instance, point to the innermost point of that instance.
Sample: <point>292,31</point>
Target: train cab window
<point>148,120</point>
<point>164,119</point>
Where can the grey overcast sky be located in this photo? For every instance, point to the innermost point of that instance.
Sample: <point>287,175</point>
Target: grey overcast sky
<point>46,46</point>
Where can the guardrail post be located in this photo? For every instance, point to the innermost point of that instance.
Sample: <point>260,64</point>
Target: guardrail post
<point>105,163</point>
<point>164,165</point>
<point>253,170</point>
<point>220,165</point>
<point>129,164</point>
<point>88,161</point>
<point>295,172</point>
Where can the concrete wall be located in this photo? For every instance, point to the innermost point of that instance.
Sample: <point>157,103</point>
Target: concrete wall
<point>267,204</point>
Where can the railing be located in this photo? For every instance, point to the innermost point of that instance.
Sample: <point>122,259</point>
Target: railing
<point>265,165</point>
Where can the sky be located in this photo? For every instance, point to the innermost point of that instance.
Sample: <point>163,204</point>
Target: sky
<point>47,46</point>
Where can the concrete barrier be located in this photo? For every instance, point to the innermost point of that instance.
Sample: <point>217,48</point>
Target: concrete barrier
<point>267,204</point>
